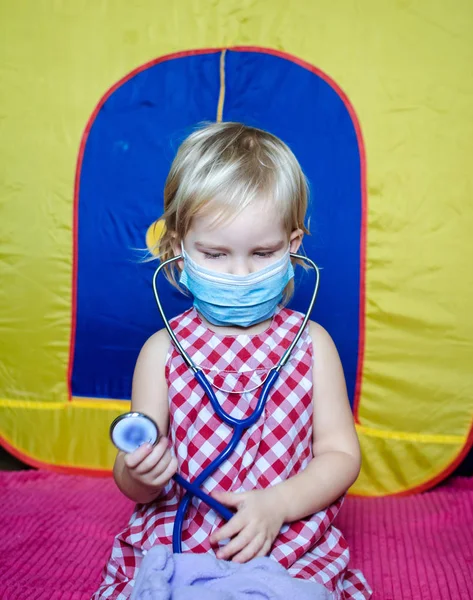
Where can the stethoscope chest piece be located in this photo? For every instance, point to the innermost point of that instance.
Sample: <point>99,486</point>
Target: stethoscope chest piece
<point>131,430</point>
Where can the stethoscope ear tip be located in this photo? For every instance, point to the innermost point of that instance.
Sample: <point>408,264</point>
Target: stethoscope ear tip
<point>130,430</point>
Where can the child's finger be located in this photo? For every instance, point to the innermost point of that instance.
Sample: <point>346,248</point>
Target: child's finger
<point>153,458</point>
<point>134,458</point>
<point>161,466</point>
<point>168,473</point>
<point>229,530</point>
<point>235,545</point>
<point>251,550</point>
<point>229,498</point>
<point>266,547</point>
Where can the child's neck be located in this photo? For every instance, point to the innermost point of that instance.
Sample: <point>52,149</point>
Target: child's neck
<point>233,330</point>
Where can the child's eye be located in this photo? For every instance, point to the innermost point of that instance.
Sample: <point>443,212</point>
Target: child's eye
<point>213,254</point>
<point>265,254</point>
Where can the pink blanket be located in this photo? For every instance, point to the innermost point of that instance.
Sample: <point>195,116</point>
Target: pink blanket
<point>57,530</point>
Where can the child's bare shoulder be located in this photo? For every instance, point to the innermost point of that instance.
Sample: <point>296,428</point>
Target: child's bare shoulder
<point>316,330</point>
<point>157,344</point>
<point>321,339</point>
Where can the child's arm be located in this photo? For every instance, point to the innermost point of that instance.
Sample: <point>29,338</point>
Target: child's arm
<point>330,473</point>
<point>337,459</point>
<point>142,474</point>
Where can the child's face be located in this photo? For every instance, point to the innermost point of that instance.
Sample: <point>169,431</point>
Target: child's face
<point>247,243</point>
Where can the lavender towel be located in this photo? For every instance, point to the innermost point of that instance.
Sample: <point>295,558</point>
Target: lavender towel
<point>167,576</point>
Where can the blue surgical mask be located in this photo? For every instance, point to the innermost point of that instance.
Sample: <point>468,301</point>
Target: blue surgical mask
<point>225,299</point>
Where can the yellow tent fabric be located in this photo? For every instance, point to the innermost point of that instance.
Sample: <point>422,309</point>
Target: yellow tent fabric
<point>406,68</point>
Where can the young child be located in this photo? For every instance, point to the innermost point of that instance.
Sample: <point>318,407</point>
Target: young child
<point>235,202</point>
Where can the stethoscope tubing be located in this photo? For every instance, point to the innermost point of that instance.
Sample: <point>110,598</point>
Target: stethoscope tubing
<point>192,489</point>
<point>199,480</point>
<point>238,428</point>
<point>238,425</point>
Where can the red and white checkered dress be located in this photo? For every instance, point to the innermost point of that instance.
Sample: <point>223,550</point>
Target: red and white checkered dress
<point>278,446</point>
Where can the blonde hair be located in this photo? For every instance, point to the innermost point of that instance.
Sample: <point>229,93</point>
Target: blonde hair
<point>225,167</point>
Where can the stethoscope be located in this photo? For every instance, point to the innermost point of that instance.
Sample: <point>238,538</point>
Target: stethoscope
<point>130,430</point>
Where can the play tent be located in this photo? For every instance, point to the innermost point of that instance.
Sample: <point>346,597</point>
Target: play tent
<point>95,102</point>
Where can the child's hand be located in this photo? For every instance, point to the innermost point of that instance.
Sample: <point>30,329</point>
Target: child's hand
<point>255,526</point>
<point>151,466</point>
